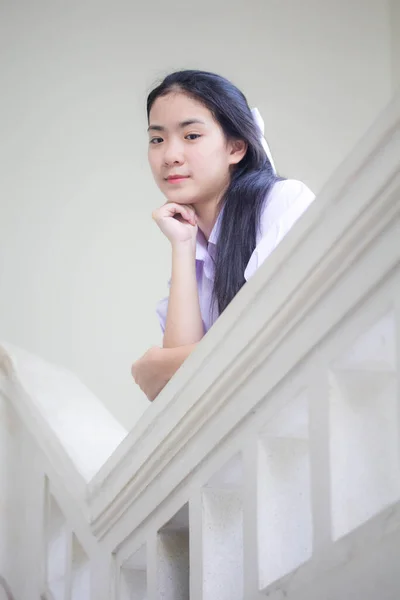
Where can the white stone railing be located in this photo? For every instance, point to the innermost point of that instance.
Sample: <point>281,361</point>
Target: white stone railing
<point>270,464</point>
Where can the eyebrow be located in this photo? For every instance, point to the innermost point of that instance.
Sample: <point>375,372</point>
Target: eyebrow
<point>181,125</point>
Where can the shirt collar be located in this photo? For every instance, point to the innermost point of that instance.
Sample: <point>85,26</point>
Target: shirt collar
<point>214,235</point>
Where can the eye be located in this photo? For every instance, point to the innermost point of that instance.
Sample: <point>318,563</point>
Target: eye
<point>193,136</point>
<point>156,140</point>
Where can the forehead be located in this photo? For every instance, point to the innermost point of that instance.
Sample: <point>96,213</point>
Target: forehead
<point>176,107</point>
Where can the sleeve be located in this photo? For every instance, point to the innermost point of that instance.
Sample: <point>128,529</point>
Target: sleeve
<point>288,200</point>
<point>161,311</point>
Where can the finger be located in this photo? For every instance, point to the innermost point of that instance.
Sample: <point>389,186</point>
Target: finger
<point>185,219</point>
<point>191,216</point>
<point>187,212</point>
<point>182,212</point>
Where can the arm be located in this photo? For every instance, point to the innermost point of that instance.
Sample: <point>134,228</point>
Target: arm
<point>172,358</point>
<point>184,325</point>
<point>153,371</point>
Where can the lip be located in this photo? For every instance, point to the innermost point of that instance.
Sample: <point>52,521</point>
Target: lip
<point>177,178</point>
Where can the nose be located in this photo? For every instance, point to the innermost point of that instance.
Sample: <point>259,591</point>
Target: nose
<point>173,153</point>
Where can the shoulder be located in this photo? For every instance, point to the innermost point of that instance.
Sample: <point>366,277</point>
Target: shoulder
<point>287,199</point>
<point>284,205</point>
<point>284,195</point>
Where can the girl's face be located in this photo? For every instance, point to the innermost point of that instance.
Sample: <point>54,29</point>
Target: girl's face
<point>185,140</point>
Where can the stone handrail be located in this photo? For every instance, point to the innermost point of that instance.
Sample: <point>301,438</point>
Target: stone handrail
<point>270,463</point>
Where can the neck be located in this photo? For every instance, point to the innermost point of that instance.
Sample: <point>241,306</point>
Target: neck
<point>207,214</point>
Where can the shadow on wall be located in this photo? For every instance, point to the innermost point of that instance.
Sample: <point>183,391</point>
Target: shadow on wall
<point>5,592</point>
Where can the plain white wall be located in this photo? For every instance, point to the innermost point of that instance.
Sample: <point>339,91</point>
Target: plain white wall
<point>395,21</point>
<point>81,263</point>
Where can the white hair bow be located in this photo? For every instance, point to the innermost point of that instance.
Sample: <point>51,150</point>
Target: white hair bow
<point>259,121</point>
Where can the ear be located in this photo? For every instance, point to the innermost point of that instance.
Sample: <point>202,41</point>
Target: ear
<point>238,149</point>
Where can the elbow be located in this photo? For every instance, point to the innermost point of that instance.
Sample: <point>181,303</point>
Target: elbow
<point>178,343</point>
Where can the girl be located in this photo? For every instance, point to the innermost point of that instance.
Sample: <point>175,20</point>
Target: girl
<point>226,208</point>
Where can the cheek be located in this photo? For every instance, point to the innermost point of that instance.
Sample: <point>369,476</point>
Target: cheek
<point>154,163</point>
<point>212,166</point>
<point>208,159</point>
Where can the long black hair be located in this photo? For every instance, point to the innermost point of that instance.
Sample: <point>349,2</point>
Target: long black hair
<point>251,180</point>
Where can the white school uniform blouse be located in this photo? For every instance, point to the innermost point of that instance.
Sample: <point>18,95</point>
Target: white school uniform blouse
<point>287,201</point>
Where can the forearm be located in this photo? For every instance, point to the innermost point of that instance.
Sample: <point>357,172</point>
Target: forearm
<point>184,324</point>
<point>157,366</point>
<point>173,358</point>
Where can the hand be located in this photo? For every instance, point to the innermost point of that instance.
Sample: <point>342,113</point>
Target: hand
<point>149,374</point>
<point>178,222</point>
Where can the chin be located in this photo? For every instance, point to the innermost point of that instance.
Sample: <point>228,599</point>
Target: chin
<point>181,197</point>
